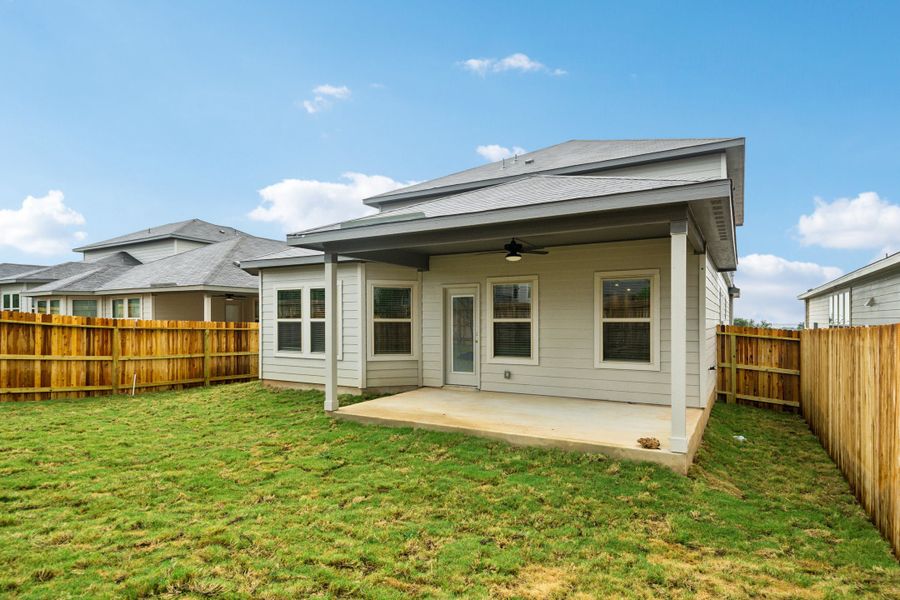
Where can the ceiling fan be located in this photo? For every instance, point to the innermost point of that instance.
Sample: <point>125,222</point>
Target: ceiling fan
<point>514,250</point>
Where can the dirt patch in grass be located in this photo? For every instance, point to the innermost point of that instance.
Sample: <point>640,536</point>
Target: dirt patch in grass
<point>242,492</point>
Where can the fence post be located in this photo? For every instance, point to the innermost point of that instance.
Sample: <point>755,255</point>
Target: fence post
<point>732,397</point>
<point>206,356</point>
<point>116,351</point>
<point>38,351</point>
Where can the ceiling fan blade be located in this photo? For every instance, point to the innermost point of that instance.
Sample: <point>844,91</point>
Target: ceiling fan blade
<point>534,251</point>
<point>490,252</point>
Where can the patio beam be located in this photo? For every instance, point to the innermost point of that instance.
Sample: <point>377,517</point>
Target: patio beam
<point>678,305</point>
<point>331,332</point>
<point>661,216</point>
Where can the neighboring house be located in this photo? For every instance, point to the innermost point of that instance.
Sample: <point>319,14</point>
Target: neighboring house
<point>590,269</point>
<point>867,296</point>
<point>11,293</point>
<point>180,271</point>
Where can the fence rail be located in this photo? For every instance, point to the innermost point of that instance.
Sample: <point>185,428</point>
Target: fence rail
<point>758,366</point>
<point>850,396</point>
<point>48,356</point>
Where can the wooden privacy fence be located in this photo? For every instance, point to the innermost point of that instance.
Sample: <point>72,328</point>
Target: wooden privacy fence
<point>53,356</point>
<point>850,396</point>
<point>758,366</point>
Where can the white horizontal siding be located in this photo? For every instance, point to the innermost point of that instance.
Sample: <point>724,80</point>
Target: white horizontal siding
<point>304,369</point>
<point>566,322</point>
<point>710,166</point>
<point>817,312</point>
<point>885,293</point>
<point>391,373</point>
<point>716,314</point>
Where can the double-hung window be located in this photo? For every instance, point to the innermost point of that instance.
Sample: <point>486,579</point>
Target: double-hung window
<point>513,320</point>
<point>47,307</point>
<point>289,317</point>
<point>10,301</point>
<point>126,308</point>
<point>839,309</point>
<point>626,320</point>
<point>392,314</point>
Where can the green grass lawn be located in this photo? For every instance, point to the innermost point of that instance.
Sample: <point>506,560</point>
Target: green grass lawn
<point>238,492</point>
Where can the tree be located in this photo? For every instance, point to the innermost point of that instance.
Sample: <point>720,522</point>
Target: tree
<point>751,323</point>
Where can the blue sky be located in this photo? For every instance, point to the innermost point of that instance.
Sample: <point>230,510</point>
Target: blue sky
<point>134,114</point>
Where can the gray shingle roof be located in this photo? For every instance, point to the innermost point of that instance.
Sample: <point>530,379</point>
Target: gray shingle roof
<point>69,269</point>
<point>10,269</point>
<point>566,154</point>
<point>534,189</point>
<point>211,266</point>
<point>85,282</point>
<point>193,229</point>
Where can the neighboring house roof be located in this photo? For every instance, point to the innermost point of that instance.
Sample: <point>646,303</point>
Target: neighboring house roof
<point>289,257</point>
<point>876,269</point>
<point>82,283</point>
<point>531,190</point>
<point>10,269</point>
<point>211,266</point>
<point>574,157</point>
<point>72,268</point>
<point>193,229</point>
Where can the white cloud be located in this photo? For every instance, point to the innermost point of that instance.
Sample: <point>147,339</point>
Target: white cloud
<point>514,62</point>
<point>42,225</point>
<point>864,222</point>
<point>324,97</point>
<point>495,152</point>
<point>770,286</point>
<point>299,204</point>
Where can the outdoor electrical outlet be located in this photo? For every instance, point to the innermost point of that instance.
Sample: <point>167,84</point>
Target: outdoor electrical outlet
<point>507,374</point>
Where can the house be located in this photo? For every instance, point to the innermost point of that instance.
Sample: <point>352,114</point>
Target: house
<point>867,296</point>
<point>11,295</point>
<point>179,271</point>
<point>589,270</point>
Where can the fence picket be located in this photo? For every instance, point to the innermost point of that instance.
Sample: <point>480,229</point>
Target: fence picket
<point>44,356</point>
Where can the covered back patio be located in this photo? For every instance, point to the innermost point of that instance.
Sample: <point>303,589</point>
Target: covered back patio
<point>611,428</point>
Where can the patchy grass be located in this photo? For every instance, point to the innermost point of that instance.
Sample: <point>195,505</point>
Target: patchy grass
<point>239,492</point>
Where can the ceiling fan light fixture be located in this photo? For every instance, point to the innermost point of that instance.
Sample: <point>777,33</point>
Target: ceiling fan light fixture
<point>513,256</point>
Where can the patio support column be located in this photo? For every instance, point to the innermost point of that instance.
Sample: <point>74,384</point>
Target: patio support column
<point>207,307</point>
<point>678,320</point>
<point>331,333</point>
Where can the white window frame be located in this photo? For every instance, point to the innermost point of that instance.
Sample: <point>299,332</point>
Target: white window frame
<point>839,309</point>
<point>413,320</point>
<point>47,302</point>
<point>125,299</point>
<point>11,307</point>
<point>535,358</point>
<point>307,327</point>
<point>653,276</point>
<point>304,307</point>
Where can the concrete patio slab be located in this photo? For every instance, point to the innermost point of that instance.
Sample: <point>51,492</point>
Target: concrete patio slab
<point>611,428</point>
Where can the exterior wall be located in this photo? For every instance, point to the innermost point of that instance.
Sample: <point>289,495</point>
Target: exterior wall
<point>305,368</point>
<point>566,322</point>
<point>817,312</point>
<point>885,310</point>
<point>145,252</point>
<point>389,373</point>
<point>18,288</point>
<point>711,166</point>
<point>178,306</point>
<point>885,290</point>
<point>716,289</point>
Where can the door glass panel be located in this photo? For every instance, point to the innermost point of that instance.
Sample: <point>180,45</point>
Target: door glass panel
<point>463,334</point>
